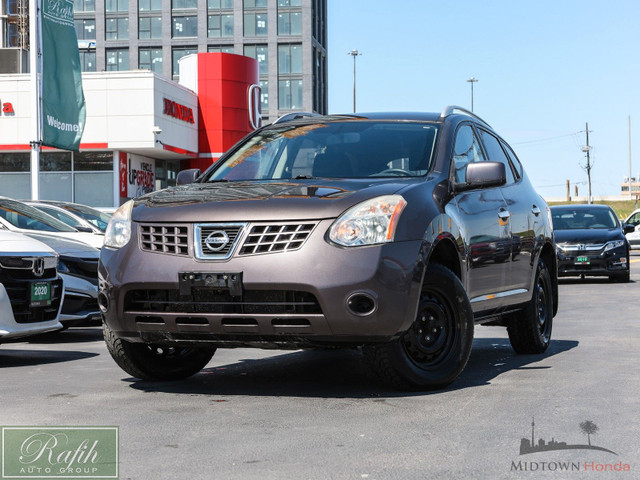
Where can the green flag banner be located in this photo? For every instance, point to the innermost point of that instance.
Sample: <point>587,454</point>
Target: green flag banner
<point>63,108</point>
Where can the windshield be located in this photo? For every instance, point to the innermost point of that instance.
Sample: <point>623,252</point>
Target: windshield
<point>579,219</point>
<point>25,216</point>
<point>348,149</point>
<point>95,217</point>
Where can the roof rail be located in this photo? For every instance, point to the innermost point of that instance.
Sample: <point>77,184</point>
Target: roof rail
<point>295,116</point>
<point>451,109</point>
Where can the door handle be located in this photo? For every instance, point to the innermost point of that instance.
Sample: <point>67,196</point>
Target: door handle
<point>504,215</point>
<point>535,210</point>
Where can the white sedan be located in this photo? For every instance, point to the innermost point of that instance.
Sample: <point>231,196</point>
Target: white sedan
<point>31,290</point>
<point>634,237</point>
<point>20,217</point>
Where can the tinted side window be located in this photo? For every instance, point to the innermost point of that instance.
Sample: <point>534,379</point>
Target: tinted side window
<point>496,154</point>
<point>466,149</point>
<point>514,159</point>
<point>634,219</point>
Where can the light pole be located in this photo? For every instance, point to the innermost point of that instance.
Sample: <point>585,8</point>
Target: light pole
<point>354,53</point>
<point>472,80</point>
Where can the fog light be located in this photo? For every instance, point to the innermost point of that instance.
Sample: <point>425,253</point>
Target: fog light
<point>103,302</point>
<point>361,304</point>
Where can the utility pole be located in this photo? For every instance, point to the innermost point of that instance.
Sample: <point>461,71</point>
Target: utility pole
<point>630,194</point>
<point>587,150</point>
<point>354,53</point>
<point>472,80</point>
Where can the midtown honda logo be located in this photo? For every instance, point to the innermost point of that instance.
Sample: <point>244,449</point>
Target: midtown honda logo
<point>530,446</point>
<point>176,110</point>
<point>7,108</point>
<point>255,106</point>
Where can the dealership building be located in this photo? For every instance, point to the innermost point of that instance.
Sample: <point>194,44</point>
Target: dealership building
<point>169,84</point>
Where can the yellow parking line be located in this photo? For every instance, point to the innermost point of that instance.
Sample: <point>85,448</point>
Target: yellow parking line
<point>634,260</point>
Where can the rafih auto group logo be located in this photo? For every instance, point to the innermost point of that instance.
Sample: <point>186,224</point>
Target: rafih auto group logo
<point>59,452</point>
<point>589,428</point>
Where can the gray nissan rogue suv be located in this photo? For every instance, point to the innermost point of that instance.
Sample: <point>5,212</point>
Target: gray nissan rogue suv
<point>391,232</point>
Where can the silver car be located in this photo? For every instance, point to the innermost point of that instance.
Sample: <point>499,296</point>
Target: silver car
<point>78,267</point>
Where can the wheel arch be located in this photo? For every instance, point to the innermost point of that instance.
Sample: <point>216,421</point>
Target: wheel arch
<point>445,252</point>
<point>548,256</point>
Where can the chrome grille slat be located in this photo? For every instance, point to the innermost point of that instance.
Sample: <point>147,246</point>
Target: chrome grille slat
<point>271,238</point>
<point>581,247</point>
<point>170,239</point>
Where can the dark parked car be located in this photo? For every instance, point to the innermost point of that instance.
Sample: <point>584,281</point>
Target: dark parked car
<point>590,242</point>
<point>78,268</point>
<point>335,231</point>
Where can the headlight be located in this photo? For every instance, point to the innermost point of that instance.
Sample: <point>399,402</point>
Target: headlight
<point>118,231</point>
<point>368,223</point>
<point>62,267</point>
<point>614,244</point>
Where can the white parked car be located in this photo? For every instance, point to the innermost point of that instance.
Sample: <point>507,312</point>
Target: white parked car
<point>634,237</point>
<point>20,217</point>
<point>31,290</point>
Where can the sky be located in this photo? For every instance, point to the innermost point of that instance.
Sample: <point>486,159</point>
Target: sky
<point>544,70</point>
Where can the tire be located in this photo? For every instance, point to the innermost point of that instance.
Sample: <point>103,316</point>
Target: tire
<point>156,362</point>
<point>530,331</point>
<point>621,278</point>
<point>435,349</point>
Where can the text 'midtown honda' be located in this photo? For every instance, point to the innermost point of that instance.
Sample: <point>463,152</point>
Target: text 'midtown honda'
<point>335,231</point>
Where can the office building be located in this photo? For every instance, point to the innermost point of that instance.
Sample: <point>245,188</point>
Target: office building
<point>287,37</point>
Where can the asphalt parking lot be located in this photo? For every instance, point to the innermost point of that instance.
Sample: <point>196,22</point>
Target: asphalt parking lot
<point>255,414</point>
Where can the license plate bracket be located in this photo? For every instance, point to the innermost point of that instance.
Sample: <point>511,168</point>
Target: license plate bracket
<point>40,294</point>
<point>582,261</point>
<point>220,281</point>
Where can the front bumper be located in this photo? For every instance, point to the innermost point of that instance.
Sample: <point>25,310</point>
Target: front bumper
<point>574,263</point>
<point>80,303</point>
<point>10,329</point>
<point>289,299</point>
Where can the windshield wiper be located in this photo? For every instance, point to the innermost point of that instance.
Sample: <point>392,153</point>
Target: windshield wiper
<point>303,177</point>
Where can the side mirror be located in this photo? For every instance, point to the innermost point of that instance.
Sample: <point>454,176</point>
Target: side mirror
<point>627,228</point>
<point>185,177</point>
<point>482,175</point>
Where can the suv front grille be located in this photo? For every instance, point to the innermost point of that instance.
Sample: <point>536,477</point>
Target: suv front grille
<point>216,240</point>
<point>276,238</point>
<point>17,274</point>
<point>172,239</point>
<point>207,300</point>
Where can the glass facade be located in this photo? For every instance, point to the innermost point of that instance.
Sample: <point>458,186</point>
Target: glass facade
<point>117,28</point>
<point>117,59</point>
<point>150,27</point>
<point>176,54</point>
<point>87,60</point>
<point>184,26</point>
<point>150,59</point>
<point>116,6</point>
<point>81,177</point>
<point>287,37</point>
<point>149,5</point>
<point>85,28</point>
<point>84,6</point>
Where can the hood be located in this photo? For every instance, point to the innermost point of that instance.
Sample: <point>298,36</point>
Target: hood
<point>261,201</point>
<point>67,247</point>
<point>594,236</point>
<point>13,242</point>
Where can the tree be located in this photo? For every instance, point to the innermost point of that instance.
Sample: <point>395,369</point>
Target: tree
<point>589,428</point>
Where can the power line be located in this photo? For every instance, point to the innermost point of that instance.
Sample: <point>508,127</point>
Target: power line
<point>541,140</point>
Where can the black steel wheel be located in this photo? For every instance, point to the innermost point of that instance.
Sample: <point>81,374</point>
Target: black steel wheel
<point>530,330</point>
<point>156,362</point>
<point>435,349</point>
